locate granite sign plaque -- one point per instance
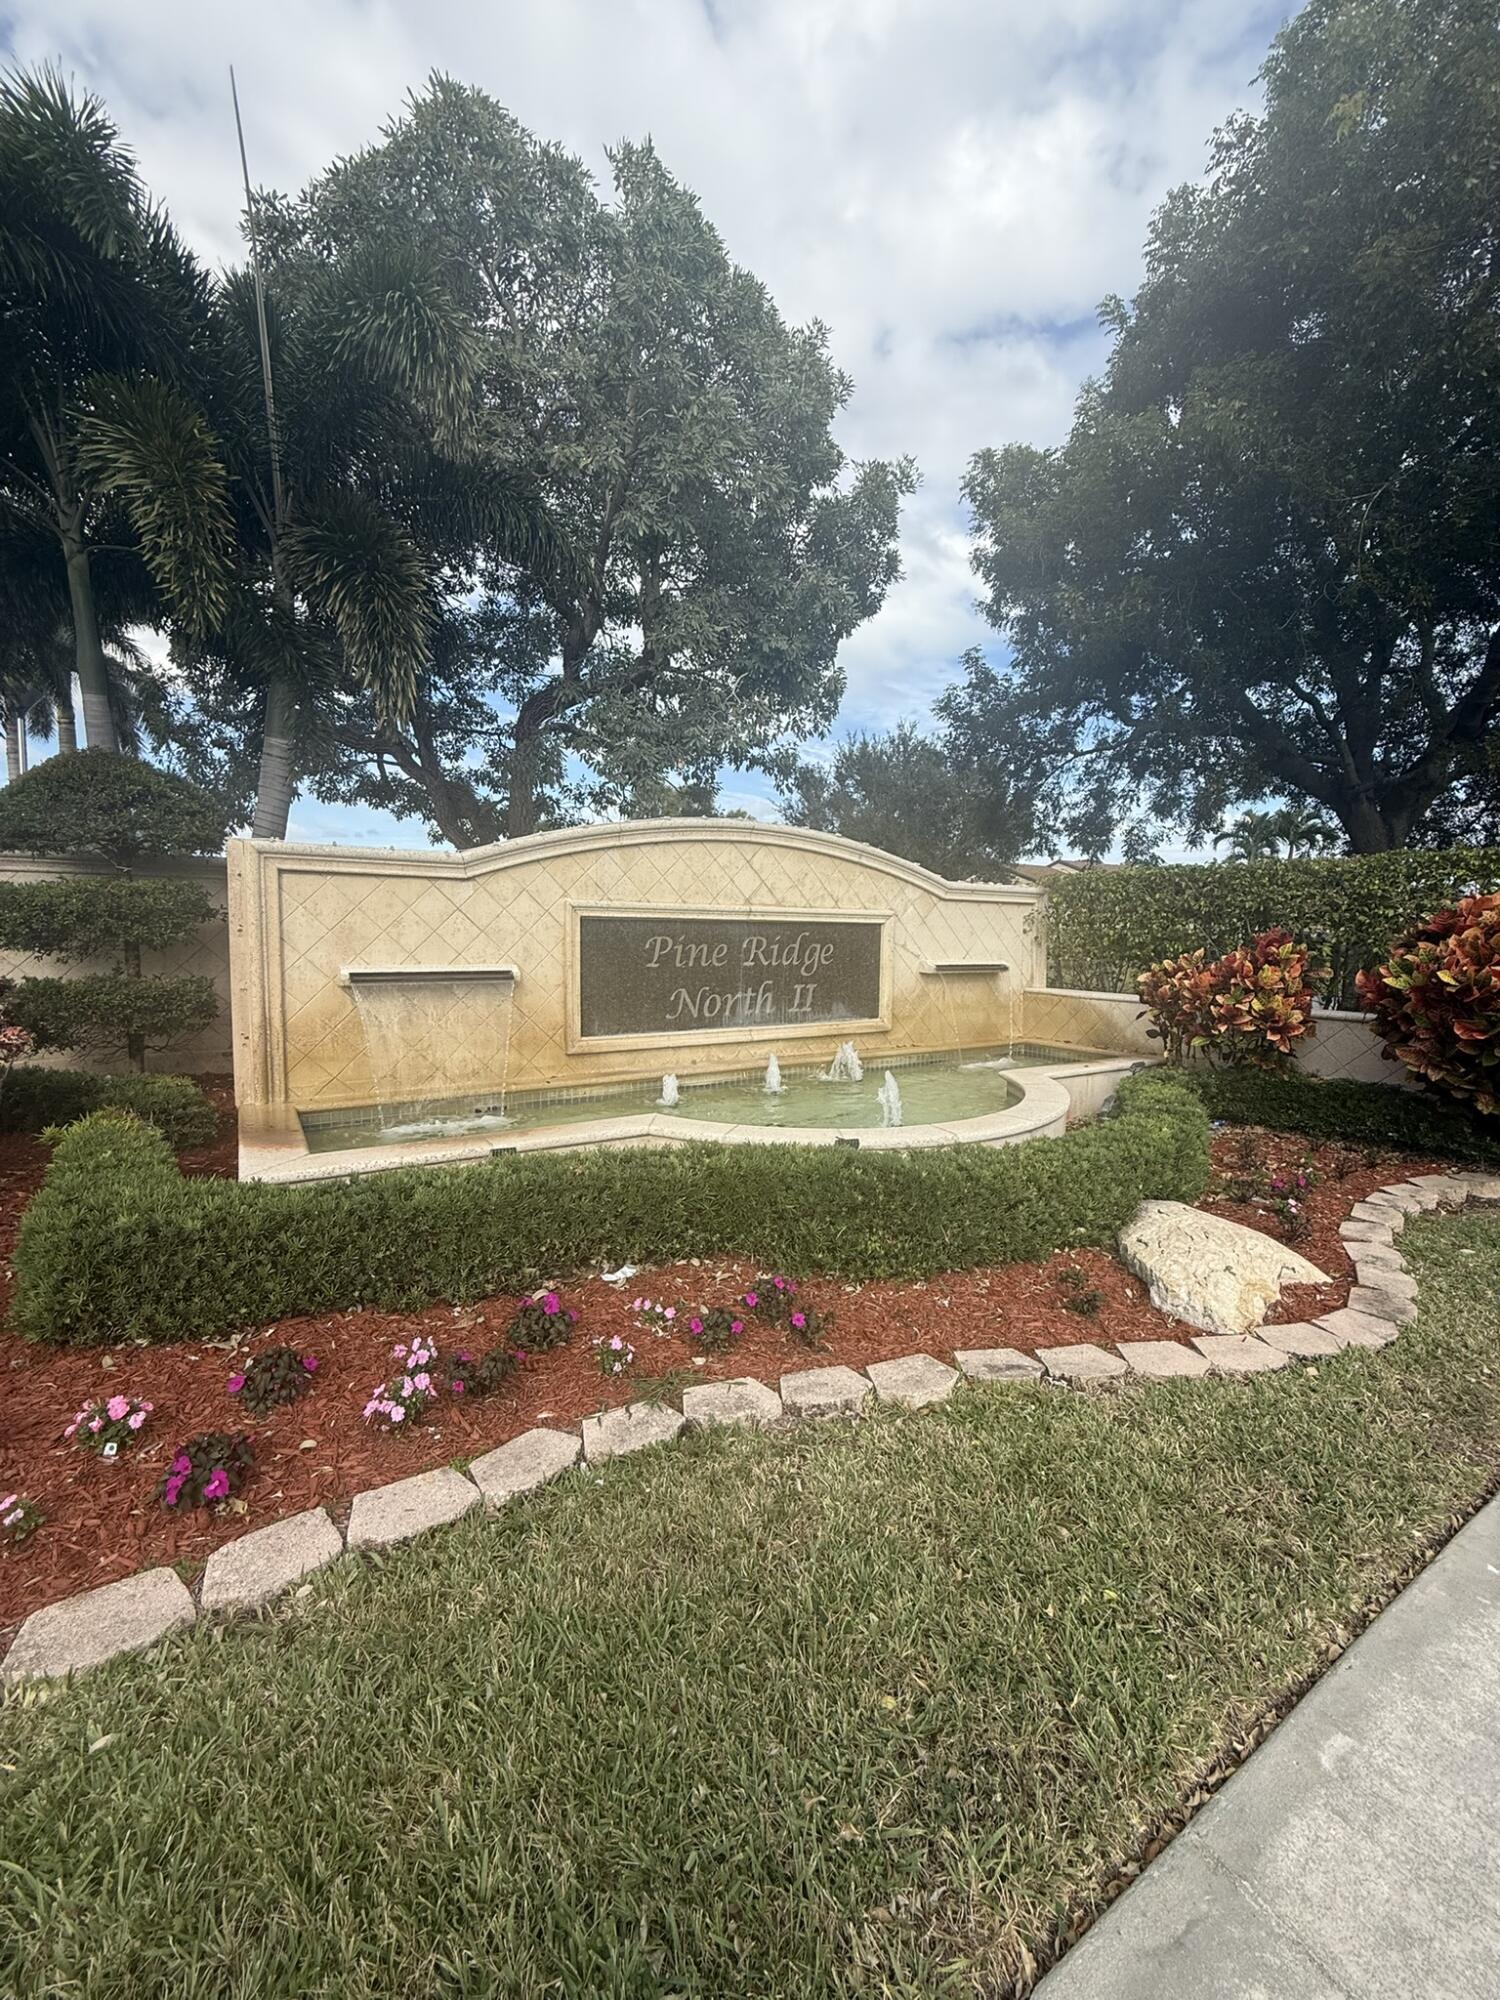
(668, 975)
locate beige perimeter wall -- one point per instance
(301, 916)
(206, 952)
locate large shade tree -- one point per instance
(712, 545)
(1265, 560)
(111, 486)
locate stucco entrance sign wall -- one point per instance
(828, 939)
(680, 975)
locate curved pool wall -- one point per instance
(1047, 1098)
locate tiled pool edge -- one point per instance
(136, 1612)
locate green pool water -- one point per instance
(932, 1093)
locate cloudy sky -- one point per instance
(952, 185)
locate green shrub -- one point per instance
(113, 1011)
(118, 1244)
(1106, 925)
(1367, 1114)
(89, 916)
(100, 802)
(35, 1099)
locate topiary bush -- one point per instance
(1436, 1001)
(122, 811)
(118, 1244)
(1253, 1005)
(36, 1099)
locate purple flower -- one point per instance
(550, 1302)
(182, 1463)
(736, 1326)
(752, 1299)
(172, 1488)
(217, 1484)
(310, 1363)
(235, 1384)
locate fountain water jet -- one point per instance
(668, 1098)
(889, 1096)
(774, 1085)
(846, 1066)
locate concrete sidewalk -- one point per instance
(1357, 1853)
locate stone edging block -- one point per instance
(914, 1381)
(245, 1573)
(526, 1462)
(1084, 1363)
(998, 1364)
(825, 1392)
(743, 1401)
(384, 1515)
(97, 1625)
(617, 1433)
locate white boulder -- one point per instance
(1214, 1274)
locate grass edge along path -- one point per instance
(873, 1709)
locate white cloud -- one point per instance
(952, 187)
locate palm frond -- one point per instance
(146, 445)
(387, 312)
(356, 567)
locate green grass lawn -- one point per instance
(867, 1710)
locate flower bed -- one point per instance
(104, 1522)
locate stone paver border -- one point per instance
(127, 1616)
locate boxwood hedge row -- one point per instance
(35, 1098)
(119, 1245)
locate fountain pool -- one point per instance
(934, 1090)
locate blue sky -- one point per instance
(950, 185)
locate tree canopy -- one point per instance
(707, 545)
(1264, 563)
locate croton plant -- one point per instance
(1253, 1005)
(1436, 1001)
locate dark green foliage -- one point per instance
(88, 916)
(113, 1011)
(35, 1099)
(278, 1376)
(1369, 1114)
(466, 1376)
(714, 1330)
(99, 802)
(542, 1323)
(206, 1470)
(1105, 926)
(117, 1243)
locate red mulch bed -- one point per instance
(102, 1521)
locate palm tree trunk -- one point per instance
(67, 723)
(93, 668)
(12, 746)
(274, 786)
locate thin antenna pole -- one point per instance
(260, 313)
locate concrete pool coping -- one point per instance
(1050, 1094)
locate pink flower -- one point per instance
(779, 1283)
(217, 1484)
(96, 1423)
(310, 1363)
(117, 1407)
(736, 1326)
(172, 1488)
(670, 1313)
(137, 1419)
(458, 1388)
(398, 1351)
(752, 1299)
(695, 1326)
(182, 1463)
(550, 1302)
(71, 1428)
(423, 1381)
(799, 1319)
(616, 1342)
(397, 1414)
(235, 1384)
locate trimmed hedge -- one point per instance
(34, 1099)
(1106, 925)
(1360, 1114)
(119, 1245)
(113, 1010)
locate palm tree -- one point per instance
(1303, 830)
(102, 445)
(1251, 837)
(356, 487)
